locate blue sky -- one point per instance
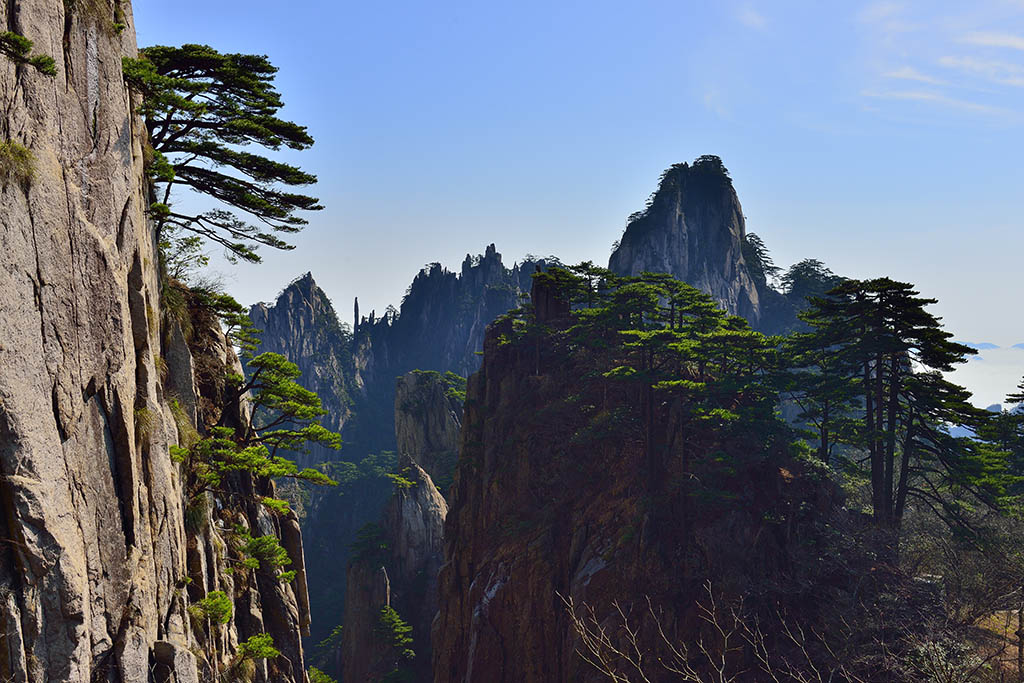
(883, 138)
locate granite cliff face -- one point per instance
(428, 419)
(439, 327)
(214, 524)
(397, 556)
(693, 229)
(96, 549)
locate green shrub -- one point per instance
(265, 552)
(396, 631)
(318, 676)
(197, 514)
(454, 386)
(396, 634)
(278, 505)
(16, 161)
(187, 434)
(370, 545)
(18, 48)
(259, 646)
(144, 421)
(216, 607)
(401, 483)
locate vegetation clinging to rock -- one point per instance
(19, 49)
(16, 161)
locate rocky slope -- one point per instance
(563, 494)
(96, 546)
(397, 567)
(428, 419)
(693, 229)
(439, 327)
(397, 554)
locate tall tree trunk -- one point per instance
(904, 482)
(890, 445)
(877, 436)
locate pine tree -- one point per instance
(202, 109)
(875, 338)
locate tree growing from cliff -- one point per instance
(202, 110)
(277, 415)
(18, 49)
(282, 416)
(396, 635)
(759, 261)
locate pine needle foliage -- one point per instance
(215, 607)
(18, 48)
(867, 376)
(259, 646)
(203, 109)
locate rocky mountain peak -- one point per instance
(303, 326)
(693, 229)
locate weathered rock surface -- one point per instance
(427, 423)
(440, 327)
(562, 494)
(404, 577)
(428, 418)
(693, 229)
(303, 327)
(95, 547)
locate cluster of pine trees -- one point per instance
(862, 389)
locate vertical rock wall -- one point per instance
(402, 576)
(93, 536)
(411, 530)
(302, 326)
(428, 418)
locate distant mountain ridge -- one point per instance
(692, 228)
(439, 326)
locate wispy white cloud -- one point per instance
(952, 56)
(751, 18)
(1001, 73)
(994, 39)
(936, 98)
(889, 18)
(909, 73)
(877, 12)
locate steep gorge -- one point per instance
(439, 328)
(693, 228)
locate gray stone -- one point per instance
(96, 547)
(693, 229)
